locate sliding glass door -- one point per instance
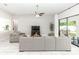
(63, 27)
(70, 27)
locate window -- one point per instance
(5, 24)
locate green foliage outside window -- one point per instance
(63, 23)
(70, 23)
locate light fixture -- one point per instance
(37, 14)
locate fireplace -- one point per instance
(35, 30)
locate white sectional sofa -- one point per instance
(48, 43)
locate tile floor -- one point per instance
(13, 49)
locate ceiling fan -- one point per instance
(37, 14)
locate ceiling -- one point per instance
(30, 8)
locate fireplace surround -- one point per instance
(35, 30)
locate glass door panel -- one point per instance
(63, 27)
(73, 29)
(72, 26)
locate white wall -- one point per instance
(25, 22)
(73, 11)
(4, 15)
